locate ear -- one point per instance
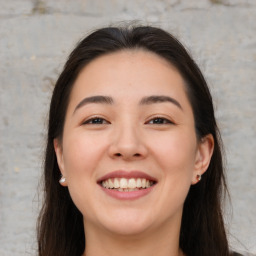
(59, 156)
(203, 157)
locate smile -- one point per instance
(126, 185)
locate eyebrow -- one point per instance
(94, 99)
(144, 101)
(159, 99)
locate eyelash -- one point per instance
(163, 119)
(90, 121)
(100, 120)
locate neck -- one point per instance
(161, 242)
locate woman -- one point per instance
(133, 162)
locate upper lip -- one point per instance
(127, 175)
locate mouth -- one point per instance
(127, 185)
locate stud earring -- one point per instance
(198, 177)
(62, 180)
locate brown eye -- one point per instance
(96, 120)
(160, 120)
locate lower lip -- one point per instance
(131, 195)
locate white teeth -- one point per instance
(111, 184)
(123, 184)
(132, 183)
(138, 183)
(116, 183)
(143, 183)
(126, 189)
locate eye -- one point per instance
(160, 120)
(96, 120)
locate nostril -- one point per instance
(135, 155)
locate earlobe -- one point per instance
(59, 156)
(63, 181)
(203, 157)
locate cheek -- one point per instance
(174, 155)
(176, 152)
(81, 154)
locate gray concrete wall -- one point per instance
(35, 38)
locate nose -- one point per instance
(127, 144)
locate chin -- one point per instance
(127, 224)
(127, 230)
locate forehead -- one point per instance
(128, 76)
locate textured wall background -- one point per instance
(35, 38)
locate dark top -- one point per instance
(245, 254)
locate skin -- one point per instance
(127, 137)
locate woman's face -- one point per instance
(129, 150)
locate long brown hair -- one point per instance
(60, 224)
